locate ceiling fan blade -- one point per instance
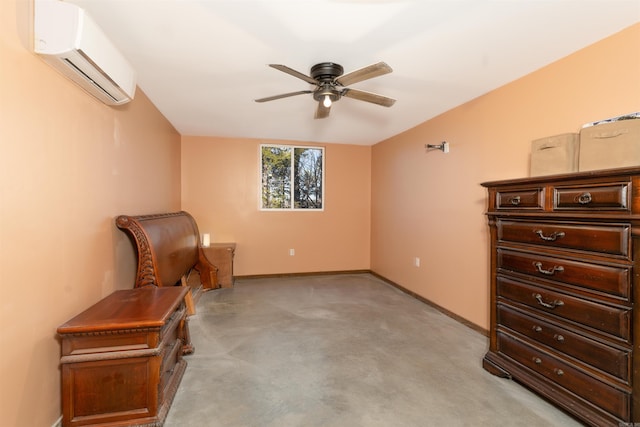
(294, 73)
(284, 95)
(368, 97)
(365, 73)
(322, 111)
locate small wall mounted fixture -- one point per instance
(443, 146)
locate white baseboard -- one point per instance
(58, 422)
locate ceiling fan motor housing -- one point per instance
(325, 73)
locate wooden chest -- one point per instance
(564, 290)
(122, 358)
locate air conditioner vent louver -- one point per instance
(93, 81)
(68, 39)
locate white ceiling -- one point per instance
(202, 63)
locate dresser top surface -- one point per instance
(146, 307)
(595, 174)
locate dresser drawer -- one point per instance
(613, 196)
(170, 329)
(75, 344)
(609, 359)
(603, 278)
(611, 320)
(607, 397)
(170, 358)
(528, 198)
(609, 239)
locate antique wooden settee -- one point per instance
(170, 253)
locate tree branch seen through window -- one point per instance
(292, 177)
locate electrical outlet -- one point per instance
(416, 262)
(292, 252)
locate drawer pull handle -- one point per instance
(551, 272)
(551, 238)
(558, 372)
(537, 328)
(559, 338)
(552, 304)
(536, 360)
(584, 198)
(515, 201)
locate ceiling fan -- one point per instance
(331, 84)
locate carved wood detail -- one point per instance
(146, 272)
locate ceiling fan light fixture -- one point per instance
(327, 94)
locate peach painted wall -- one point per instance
(68, 165)
(431, 205)
(220, 188)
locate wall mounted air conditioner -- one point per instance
(69, 40)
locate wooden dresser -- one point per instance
(122, 358)
(565, 281)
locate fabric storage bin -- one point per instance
(610, 145)
(554, 154)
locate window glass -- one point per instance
(292, 177)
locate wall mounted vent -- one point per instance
(69, 40)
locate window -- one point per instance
(292, 177)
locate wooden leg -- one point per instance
(187, 345)
(188, 299)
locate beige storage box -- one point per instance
(610, 145)
(554, 154)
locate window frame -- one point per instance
(291, 178)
